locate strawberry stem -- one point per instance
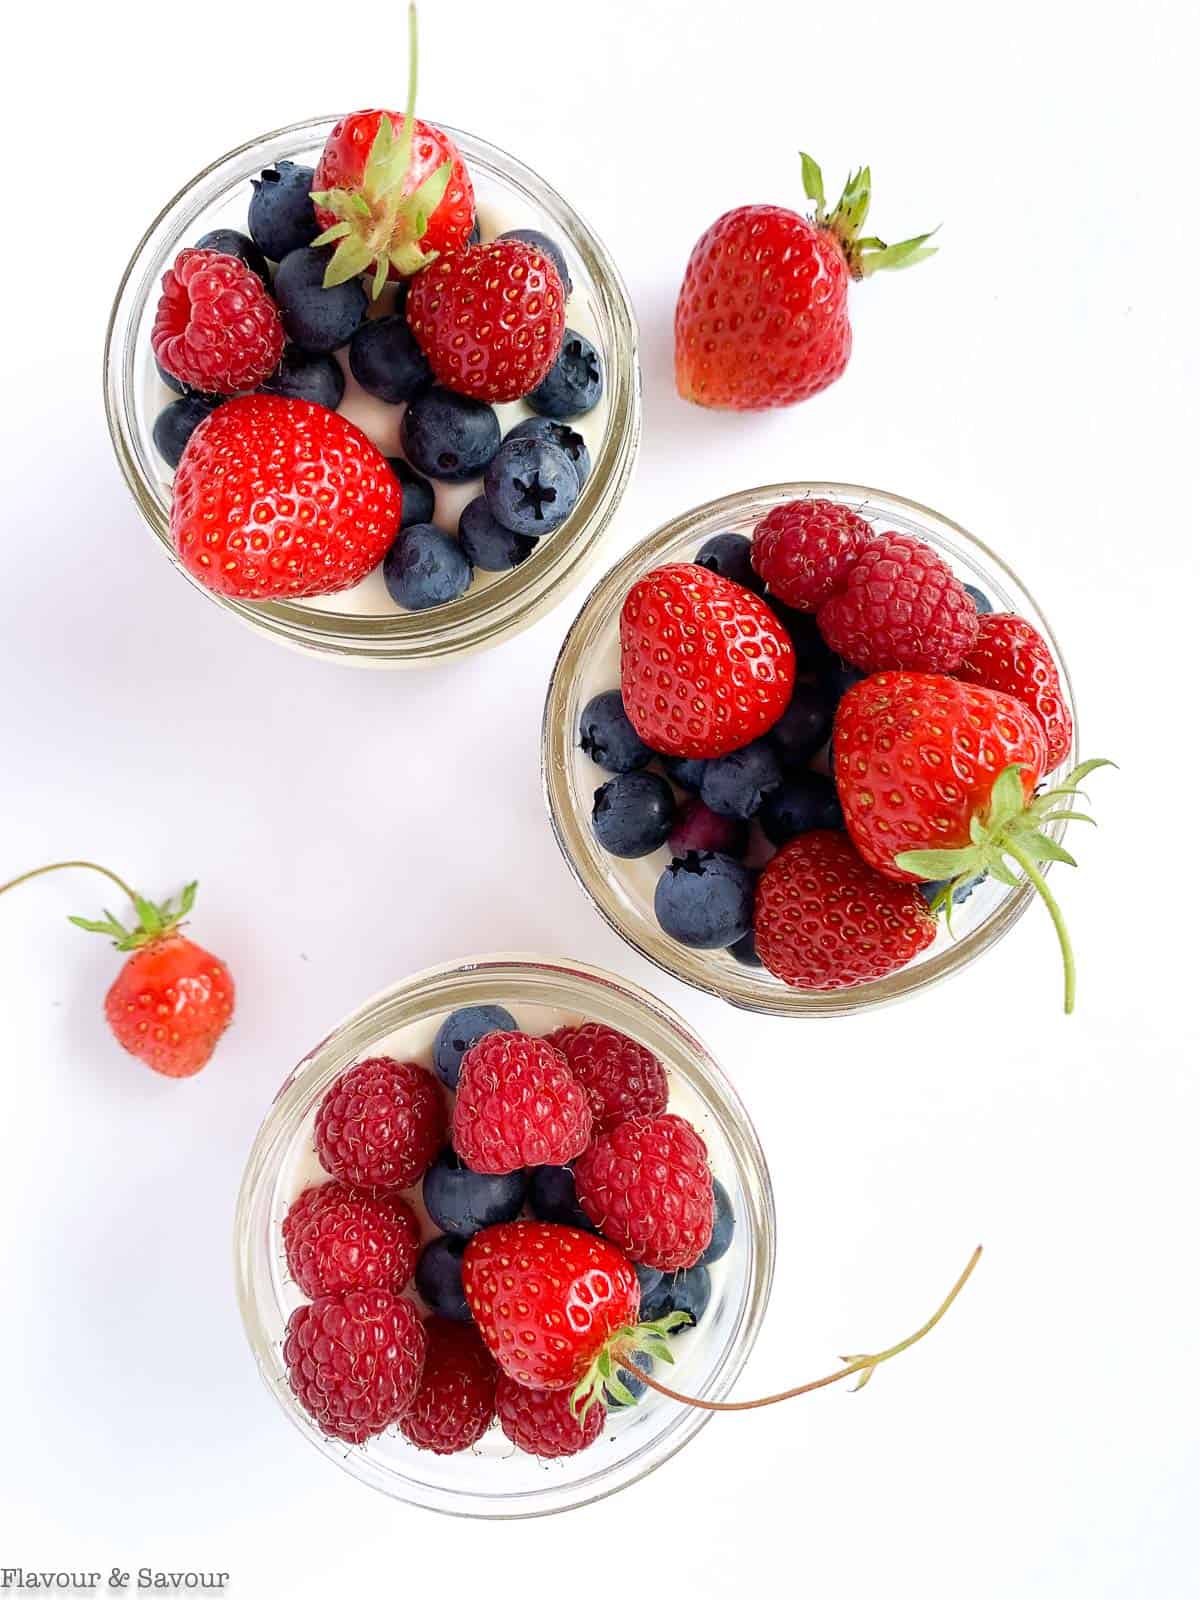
(1031, 870)
(59, 866)
(154, 921)
(851, 1364)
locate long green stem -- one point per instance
(1031, 870)
(59, 866)
(863, 1364)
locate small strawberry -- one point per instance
(543, 1423)
(706, 667)
(761, 318)
(391, 191)
(938, 780)
(1009, 654)
(619, 1076)
(647, 1187)
(823, 919)
(171, 1001)
(900, 607)
(456, 1401)
(380, 1124)
(276, 497)
(518, 1106)
(803, 551)
(490, 319)
(354, 1360)
(339, 1238)
(216, 328)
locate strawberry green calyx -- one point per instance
(1012, 831)
(381, 225)
(154, 921)
(845, 221)
(618, 1350)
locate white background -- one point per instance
(1035, 381)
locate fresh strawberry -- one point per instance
(619, 1076)
(902, 607)
(338, 1238)
(647, 1187)
(354, 1360)
(938, 779)
(392, 191)
(761, 318)
(381, 1124)
(518, 1106)
(216, 328)
(706, 667)
(803, 550)
(823, 919)
(542, 1422)
(456, 1401)
(277, 497)
(490, 319)
(1009, 654)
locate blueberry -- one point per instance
(804, 727)
(705, 900)
(439, 1278)
(641, 1359)
(698, 828)
(552, 1198)
(462, 1029)
(982, 604)
(281, 217)
(688, 1291)
(418, 499)
(807, 800)
(632, 814)
(531, 486)
(607, 735)
(837, 676)
(572, 444)
(229, 242)
(387, 361)
(574, 383)
(812, 653)
(176, 423)
(746, 951)
(305, 375)
(648, 1278)
(314, 317)
(722, 1234)
(490, 546)
(425, 567)
(737, 784)
(539, 241)
(729, 554)
(461, 1202)
(961, 895)
(449, 436)
(687, 772)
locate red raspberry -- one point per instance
(803, 550)
(539, 1421)
(619, 1076)
(518, 1106)
(647, 1187)
(381, 1124)
(902, 607)
(340, 1238)
(457, 1399)
(216, 327)
(824, 919)
(1011, 655)
(354, 1360)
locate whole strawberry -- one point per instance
(825, 920)
(391, 191)
(380, 1124)
(620, 1077)
(456, 1400)
(902, 607)
(1009, 654)
(518, 1106)
(354, 1360)
(216, 328)
(804, 550)
(647, 1187)
(490, 319)
(706, 667)
(543, 1423)
(761, 319)
(277, 497)
(338, 1238)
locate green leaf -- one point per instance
(188, 898)
(616, 1388)
(1003, 873)
(1007, 799)
(379, 281)
(935, 864)
(428, 197)
(853, 206)
(350, 258)
(891, 257)
(1042, 848)
(113, 929)
(814, 183)
(339, 230)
